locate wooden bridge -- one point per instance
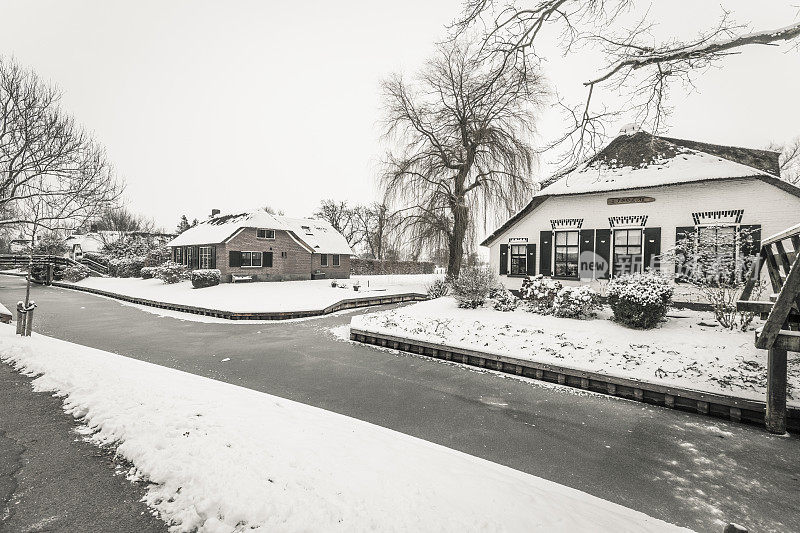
(9, 261)
(781, 331)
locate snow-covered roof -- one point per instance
(642, 160)
(317, 235)
(92, 242)
(637, 160)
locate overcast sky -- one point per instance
(234, 105)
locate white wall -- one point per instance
(764, 204)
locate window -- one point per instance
(627, 251)
(187, 257)
(518, 259)
(335, 260)
(265, 233)
(323, 260)
(284, 255)
(179, 255)
(716, 249)
(566, 263)
(251, 259)
(307, 230)
(205, 257)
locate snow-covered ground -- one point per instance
(224, 458)
(262, 296)
(681, 352)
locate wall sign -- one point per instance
(631, 200)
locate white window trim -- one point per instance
(200, 256)
(553, 258)
(251, 258)
(613, 253)
(265, 238)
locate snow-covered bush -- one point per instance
(205, 277)
(171, 272)
(640, 300)
(575, 302)
(97, 257)
(437, 289)
(334, 283)
(472, 286)
(75, 273)
(540, 293)
(149, 272)
(126, 267)
(158, 256)
(503, 300)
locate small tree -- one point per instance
(717, 260)
(183, 225)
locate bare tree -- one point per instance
(636, 64)
(115, 222)
(460, 132)
(789, 160)
(53, 176)
(378, 227)
(342, 217)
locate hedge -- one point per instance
(366, 267)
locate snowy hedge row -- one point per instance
(206, 277)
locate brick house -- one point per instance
(635, 200)
(264, 247)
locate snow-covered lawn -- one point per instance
(224, 458)
(681, 352)
(262, 297)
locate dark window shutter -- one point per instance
(586, 244)
(602, 250)
(751, 243)
(503, 259)
(213, 257)
(530, 263)
(234, 259)
(267, 259)
(545, 252)
(175, 255)
(684, 244)
(196, 257)
(652, 248)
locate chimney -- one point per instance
(215, 212)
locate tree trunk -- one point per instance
(456, 238)
(30, 267)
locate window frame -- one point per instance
(567, 247)
(323, 260)
(204, 252)
(636, 266)
(266, 233)
(335, 260)
(251, 265)
(517, 260)
(179, 255)
(187, 256)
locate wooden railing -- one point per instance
(781, 331)
(22, 261)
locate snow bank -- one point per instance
(681, 352)
(225, 458)
(262, 297)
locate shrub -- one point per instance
(639, 300)
(205, 277)
(126, 267)
(149, 272)
(575, 302)
(503, 300)
(472, 286)
(96, 257)
(158, 256)
(171, 272)
(540, 292)
(75, 273)
(437, 289)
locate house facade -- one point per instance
(637, 199)
(264, 247)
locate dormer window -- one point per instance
(307, 229)
(265, 234)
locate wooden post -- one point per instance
(775, 419)
(29, 322)
(20, 318)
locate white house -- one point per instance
(632, 202)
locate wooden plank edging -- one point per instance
(351, 303)
(708, 403)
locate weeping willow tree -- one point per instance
(459, 134)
